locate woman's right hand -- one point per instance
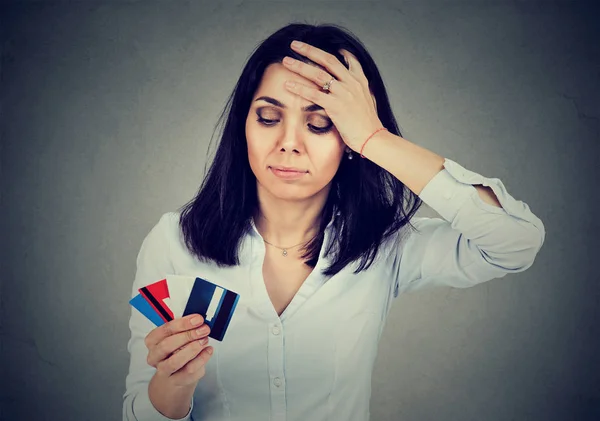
(179, 350)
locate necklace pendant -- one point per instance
(284, 252)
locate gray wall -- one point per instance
(107, 111)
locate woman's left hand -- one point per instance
(348, 103)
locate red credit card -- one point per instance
(155, 295)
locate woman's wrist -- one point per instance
(367, 137)
(171, 401)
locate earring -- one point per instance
(349, 155)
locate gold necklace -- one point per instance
(285, 249)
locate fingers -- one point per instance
(173, 343)
(329, 61)
(196, 367)
(182, 357)
(311, 94)
(174, 326)
(310, 72)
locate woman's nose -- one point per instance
(291, 139)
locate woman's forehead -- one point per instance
(273, 79)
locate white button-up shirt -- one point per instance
(314, 362)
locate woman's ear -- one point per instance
(344, 57)
(374, 100)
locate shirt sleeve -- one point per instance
(153, 264)
(473, 243)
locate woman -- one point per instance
(307, 213)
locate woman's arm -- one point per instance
(412, 164)
(485, 233)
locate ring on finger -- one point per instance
(327, 85)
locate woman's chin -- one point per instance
(291, 193)
(291, 196)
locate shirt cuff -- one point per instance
(145, 411)
(449, 189)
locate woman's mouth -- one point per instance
(288, 173)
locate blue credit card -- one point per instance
(216, 304)
(140, 303)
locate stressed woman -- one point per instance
(308, 213)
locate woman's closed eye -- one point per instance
(315, 129)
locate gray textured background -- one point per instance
(107, 111)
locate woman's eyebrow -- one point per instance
(308, 108)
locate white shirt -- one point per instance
(314, 362)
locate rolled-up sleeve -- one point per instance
(473, 243)
(153, 264)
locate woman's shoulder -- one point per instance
(167, 236)
(170, 218)
(168, 223)
(165, 232)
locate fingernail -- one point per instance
(203, 341)
(297, 44)
(209, 350)
(196, 320)
(288, 60)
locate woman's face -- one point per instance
(291, 137)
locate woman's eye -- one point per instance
(266, 122)
(318, 129)
(315, 129)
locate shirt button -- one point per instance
(277, 381)
(275, 330)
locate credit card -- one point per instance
(180, 287)
(156, 294)
(146, 309)
(216, 304)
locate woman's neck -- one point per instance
(287, 223)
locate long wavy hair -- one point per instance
(367, 203)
